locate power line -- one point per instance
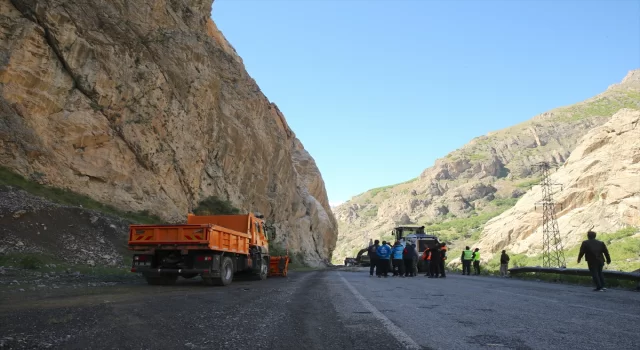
(553, 250)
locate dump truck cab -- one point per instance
(408, 233)
(213, 246)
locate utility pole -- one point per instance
(553, 250)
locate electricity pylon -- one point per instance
(553, 250)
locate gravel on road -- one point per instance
(330, 309)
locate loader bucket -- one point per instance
(278, 266)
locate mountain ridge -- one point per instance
(145, 106)
(481, 179)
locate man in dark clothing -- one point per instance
(595, 252)
(426, 256)
(435, 261)
(504, 264)
(373, 257)
(409, 256)
(443, 258)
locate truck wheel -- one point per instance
(264, 269)
(161, 280)
(226, 274)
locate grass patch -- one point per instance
(528, 183)
(44, 262)
(371, 212)
(30, 263)
(505, 202)
(469, 227)
(605, 106)
(215, 206)
(374, 192)
(623, 248)
(477, 156)
(67, 197)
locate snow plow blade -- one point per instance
(279, 265)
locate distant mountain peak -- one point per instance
(631, 80)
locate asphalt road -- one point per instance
(334, 309)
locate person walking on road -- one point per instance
(595, 252)
(443, 258)
(398, 263)
(373, 258)
(504, 264)
(384, 253)
(476, 262)
(467, 257)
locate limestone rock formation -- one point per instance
(481, 179)
(146, 106)
(600, 191)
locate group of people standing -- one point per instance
(435, 259)
(469, 257)
(401, 260)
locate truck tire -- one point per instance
(161, 280)
(264, 269)
(226, 274)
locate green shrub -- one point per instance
(276, 249)
(371, 212)
(374, 192)
(528, 183)
(505, 202)
(215, 206)
(30, 262)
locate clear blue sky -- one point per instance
(378, 90)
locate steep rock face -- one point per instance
(600, 190)
(482, 178)
(146, 106)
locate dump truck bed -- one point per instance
(188, 236)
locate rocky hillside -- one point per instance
(600, 189)
(462, 191)
(144, 105)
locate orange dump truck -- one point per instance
(215, 247)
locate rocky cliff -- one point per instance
(462, 191)
(145, 105)
(598, 188)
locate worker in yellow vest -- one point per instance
(476, 262)
(467, 258)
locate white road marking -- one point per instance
(397, 333)
(572, 305)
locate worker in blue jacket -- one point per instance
(384, 253)
(398, 263)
